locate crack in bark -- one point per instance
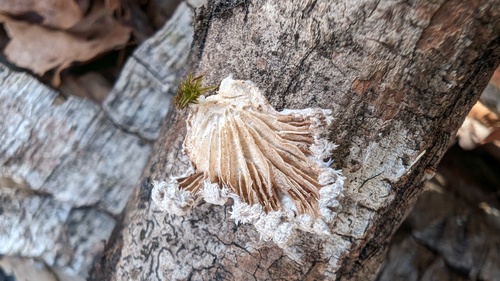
(369, 179)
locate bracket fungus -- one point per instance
(272, 164)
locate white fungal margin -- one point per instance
(214, 194)
(170, 198)
(243, 212)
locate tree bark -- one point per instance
(399, 76)
(68, 166)
(64, 177)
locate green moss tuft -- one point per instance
(190, 90)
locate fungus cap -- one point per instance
(271, 163)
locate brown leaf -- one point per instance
(495, 79)
(112, 4)
(91, 85)
(493, 136)
(480, 126)
(41, 49)
(97, 19)
(484, 115)
(61, 14)
(471, 134)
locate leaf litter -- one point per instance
(61, 34)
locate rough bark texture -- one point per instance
(141, 97)
(64, 176)
(452, 232)
(399, 77)
(68, 167)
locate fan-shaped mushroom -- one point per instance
(271, 163)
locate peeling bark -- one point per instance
(399, 77)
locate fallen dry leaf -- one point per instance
(484, 115)
(480, 126)
(61, 14)
(96, 21)
(41, 49)
(495, 79)
(493, 136)
(471, 134)
(91, 85)
(112, 4)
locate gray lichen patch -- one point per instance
(272, 164)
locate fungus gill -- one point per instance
(270, 163)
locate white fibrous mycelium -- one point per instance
(272, 164)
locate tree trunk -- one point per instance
(399, 78)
